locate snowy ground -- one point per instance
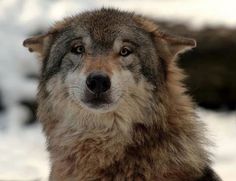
(22, 150)
(222, 131)
(23, 155)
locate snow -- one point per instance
(22, 149)
(23, 155)
(222, 131)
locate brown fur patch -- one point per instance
(106, 64)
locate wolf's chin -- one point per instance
(99, 107)
(102, 108)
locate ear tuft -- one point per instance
(35, 44)
(40, 43)
(177, 44)
(168, 46)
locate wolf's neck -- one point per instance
(84, 142)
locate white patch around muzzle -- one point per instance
(120, 81)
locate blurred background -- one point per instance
(211, 69)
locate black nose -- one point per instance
(98, 82)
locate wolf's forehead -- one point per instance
(106, 26)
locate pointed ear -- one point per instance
(168, 46)
(172, 45)
(40, 43)
(37, 43)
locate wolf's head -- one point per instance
(102, 59)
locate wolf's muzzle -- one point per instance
(98, 83)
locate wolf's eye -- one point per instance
(125, 51)
(78, 49)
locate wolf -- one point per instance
(112, 103)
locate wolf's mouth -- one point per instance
(97, 101)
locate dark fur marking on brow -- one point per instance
(130, 42)
(52, 66)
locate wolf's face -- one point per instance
(103, 58)
(102, 63)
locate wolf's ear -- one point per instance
(168, 46)
(38, 43)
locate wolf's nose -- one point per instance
(98, 82)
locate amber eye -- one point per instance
(78, 49)
(125, 51)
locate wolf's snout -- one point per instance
(98, 82)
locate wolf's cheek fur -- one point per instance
(76, 84)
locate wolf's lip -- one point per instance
(98, 101)
(95, 101)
